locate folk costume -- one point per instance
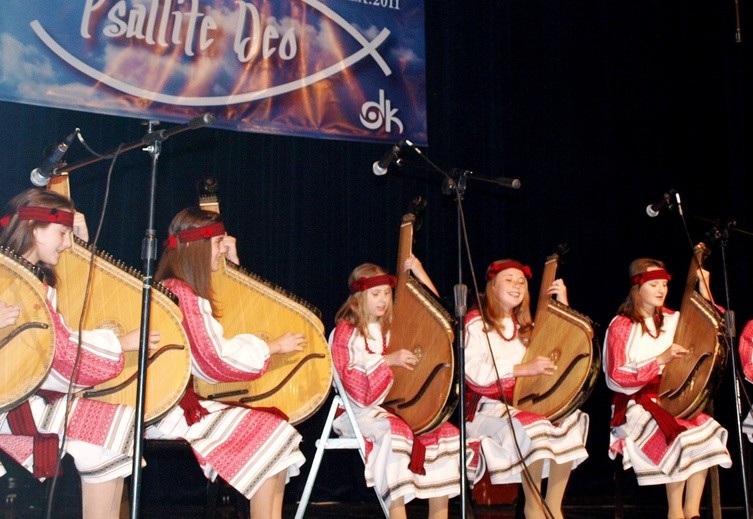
(658, 447)
(746, 361)
(397, 463)
(487, 417)
(244, 446)
(99, 435)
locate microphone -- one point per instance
(653, 210)
(677, 200)
(200, 121)
(380, 167)
(512, 183)
(40, 176)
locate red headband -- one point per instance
(195, 233)
(41, 214)
(365, 283)
(649, 275)
(496, 268)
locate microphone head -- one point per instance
(201, 121)
(515, 184)
(378, 170)
(38, 178)
(651, 211)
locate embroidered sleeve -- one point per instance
(621, 371)
(99, 360)
(366, 377)
(215, 358)
(746, 350)
(480, 372)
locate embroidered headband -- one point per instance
(194, 234)
(365, 283)
(649, 275)
(41, 214)
(496, 268)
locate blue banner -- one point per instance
(334, 69)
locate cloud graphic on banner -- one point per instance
(22, 64)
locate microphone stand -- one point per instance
(460, 291)
(449, 186)
(722, 236)
(455, 183)
(152, 144)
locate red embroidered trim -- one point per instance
(365, 283)
(41, 214)
(417, 458)
(496, 268)
(194, 234)
(649, 275)
(384, 345)
(658, 330)
(45, 449)
(514, 330)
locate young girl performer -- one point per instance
(99, 436)
(746, 361)
(401, 467)
(496, 339)
(256, 451)
(660, 448)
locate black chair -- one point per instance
(24, 496)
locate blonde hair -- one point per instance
(354, 310)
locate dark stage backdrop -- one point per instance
(597, 107)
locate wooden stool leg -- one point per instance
(713, 493)
(213, 491)
(520, 504)
(619, 496)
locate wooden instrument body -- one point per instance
(426, 396)
(115, 303)
(689, 382)
(27, 348)
(567, 338)
(296, 383)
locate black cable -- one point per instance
(451, 185)
(76, 362)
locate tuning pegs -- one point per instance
(418, 204)
(207, 186)
(562, 250)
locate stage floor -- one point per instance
(329, 511)
(589, 497)
(651, 509)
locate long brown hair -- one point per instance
(191, 261)
(630, 308)
(494, 314)
(18, 235)
(354, 309)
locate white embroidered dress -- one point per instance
(537, 437)
(99, 434)
(746, 361)
(367, 380)
(244, 446)
(630, 364)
